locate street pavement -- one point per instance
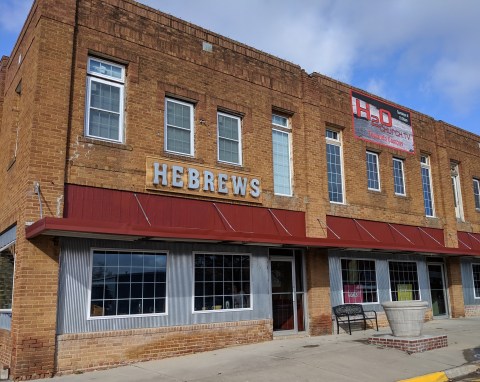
(332, 358)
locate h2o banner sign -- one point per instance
(381, 123)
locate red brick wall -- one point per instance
(92, 351)
(5, 347)
(472, 310)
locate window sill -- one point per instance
(131, 316)
(99, 142)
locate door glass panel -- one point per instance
(298, 271)
(282, 296)
(437, 289)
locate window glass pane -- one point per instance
(372, 171)
(334, 173)
(6, 279)
(476, 279)
(476, 193)
(123, 283)
(281, 162)
(105, 69)
(404, 281)
(359, 281)
(179, 127)
(278, 120)
(398, 182)
(228, 139)
(427, 191)
(222, 282)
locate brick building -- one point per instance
(166, 190)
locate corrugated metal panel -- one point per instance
(382, 273)
(75, 280)
(467, 282)
(8, 237)
(5, 320)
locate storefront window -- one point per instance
(359, 281)
(404, 281)
(476, 279)
(6, 280)
(222, 282)
(128, 283)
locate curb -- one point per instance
(444, 376)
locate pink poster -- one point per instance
(352, 294)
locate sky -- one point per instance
(423, 55)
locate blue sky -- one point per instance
(421, 54)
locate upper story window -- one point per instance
(398, 177)
(404, 280)
(282, 156)
(359, 281)
(476, 193)
(229, 139)
(457, 192)
(373, 175)
(179, 134)
(427, 186)
(105, 97)
(126, 283)
(334, 166)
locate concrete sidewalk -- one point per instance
(333, 358)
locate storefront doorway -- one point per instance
(438, 292)
(288, 293)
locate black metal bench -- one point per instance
(353, 313)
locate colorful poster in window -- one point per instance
(352, 294)
(381, 123)
(404, 292)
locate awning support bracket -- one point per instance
(396, 230)
(465, 244)
(279, 222)
(366, 230)
(143, 211)
(325, 226)
(473, 237)
(431, 237)
(222, 216)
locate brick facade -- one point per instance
(42, 122)
(93, 351)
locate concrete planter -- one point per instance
(406, 318)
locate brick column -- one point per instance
(318, 285)
(455, 287)
(34, 309)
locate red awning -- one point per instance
(469, 242)
(101, 213)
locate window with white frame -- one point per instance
(179, 133)
(398, 177)
(7, 266)
(373, 175)
(427, 185)
(334, 166)
(229, 138)
(126, 283)
(104, 104)
(282, 161)
(359, 281)
(457, 191)
(222, 282)
(404, 280)
(476, 279)
(476, 193)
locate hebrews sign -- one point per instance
(382, 123)
(170, 176)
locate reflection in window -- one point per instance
(6, 279)
(476, 279)
(404, 280)
(222, 282)
(128, 283)
(359, 281)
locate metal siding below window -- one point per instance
(8, 237)
(75, 281)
